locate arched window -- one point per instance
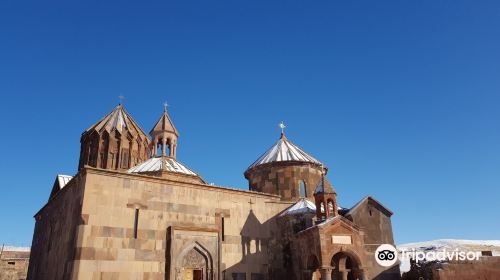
(331, 209)
(302, 189)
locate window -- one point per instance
(330, 207)
(136, 222)
(222, 228)
(11, 263)
(302, 188)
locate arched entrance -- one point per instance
(195, 264)
(345, 267)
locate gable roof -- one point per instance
(372, 200)
(59, 183)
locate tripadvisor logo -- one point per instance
(386, 255)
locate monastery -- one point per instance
(135, 211)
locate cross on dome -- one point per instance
(120, 98)
(282, 126)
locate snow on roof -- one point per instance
(451, 243)
(303, 206)
(63, 180)
(15, 249)
(118, 120)
(161, 164)
(284, 150)
(300, 207)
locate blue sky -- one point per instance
(400, 99)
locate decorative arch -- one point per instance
(194, 256)
(346, 265)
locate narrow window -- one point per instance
(136, 222)
(330, 207)
(302, 188)
(11, 263)
(222, 228)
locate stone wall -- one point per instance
(487, 268)
(54, 238)
(282, 178)
(375, 221)
(108, 246)
(13, 265)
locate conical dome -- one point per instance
(164, 124)
(114, 142)
(284, 150)
(118, 120)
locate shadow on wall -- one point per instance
(260, 251)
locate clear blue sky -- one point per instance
(400, 99)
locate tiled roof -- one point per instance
(161, 164)
(300, 207)
(284, 150)
(164, 124)
(118, 120)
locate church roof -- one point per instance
(323, 186)
(300, 207)
(118, 120)
(164, 124)
(303, 206)
(62, 180)
(284, 150)
(162, 164)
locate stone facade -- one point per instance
(13, 263)
(486, 268)
(160, 220)
(283, 179)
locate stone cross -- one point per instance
(165, 105)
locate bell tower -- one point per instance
(325, 199)
(164, 136)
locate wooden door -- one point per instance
(197, 274)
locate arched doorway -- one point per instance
(345, 267)
(195, 264)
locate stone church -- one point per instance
(134, 211)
